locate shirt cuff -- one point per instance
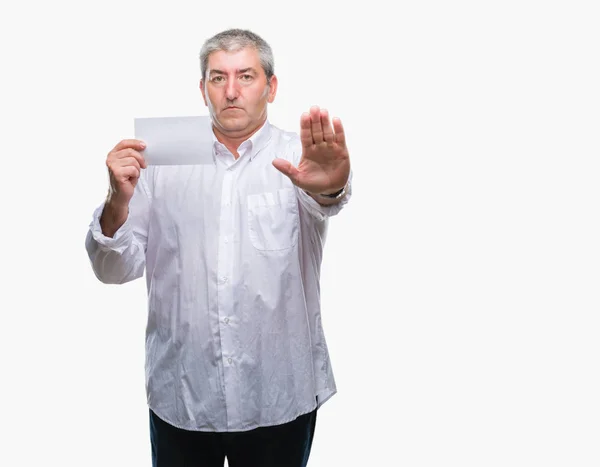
(119, 242)
(319, 211)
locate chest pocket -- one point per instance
(273, 220)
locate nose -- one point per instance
(232, 91)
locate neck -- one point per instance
(232, 141)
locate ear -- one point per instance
(203, 91)
(272, 89)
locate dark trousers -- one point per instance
(286, 445)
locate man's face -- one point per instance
(236, 91)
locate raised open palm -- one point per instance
(325, 163)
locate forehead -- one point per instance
(232, 61)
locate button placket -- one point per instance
(225, 294)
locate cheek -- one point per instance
(212, 95)
(259, 97)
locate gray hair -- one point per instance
(233, 40)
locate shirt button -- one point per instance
(226, 320)
(229, 360)
(226, 240)
(224, 279)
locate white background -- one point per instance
(460, 286)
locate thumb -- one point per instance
(286, 168)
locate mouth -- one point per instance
(232, 108)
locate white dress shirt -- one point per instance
(232, 252)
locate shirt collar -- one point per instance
(252, 146)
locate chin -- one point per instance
(233, 124)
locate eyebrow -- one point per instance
(243, 70)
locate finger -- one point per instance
(287, 168)
(327, 130)
(129, 161)
(317, 129)
(128, 173)
(340, 137)
(305, 132)
(120, 169)
(130, 143)
(124, 153)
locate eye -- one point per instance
(246, 77)
(217, 79)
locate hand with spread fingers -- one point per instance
(325, 164)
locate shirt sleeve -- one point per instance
(121, 258)
(311, 205)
